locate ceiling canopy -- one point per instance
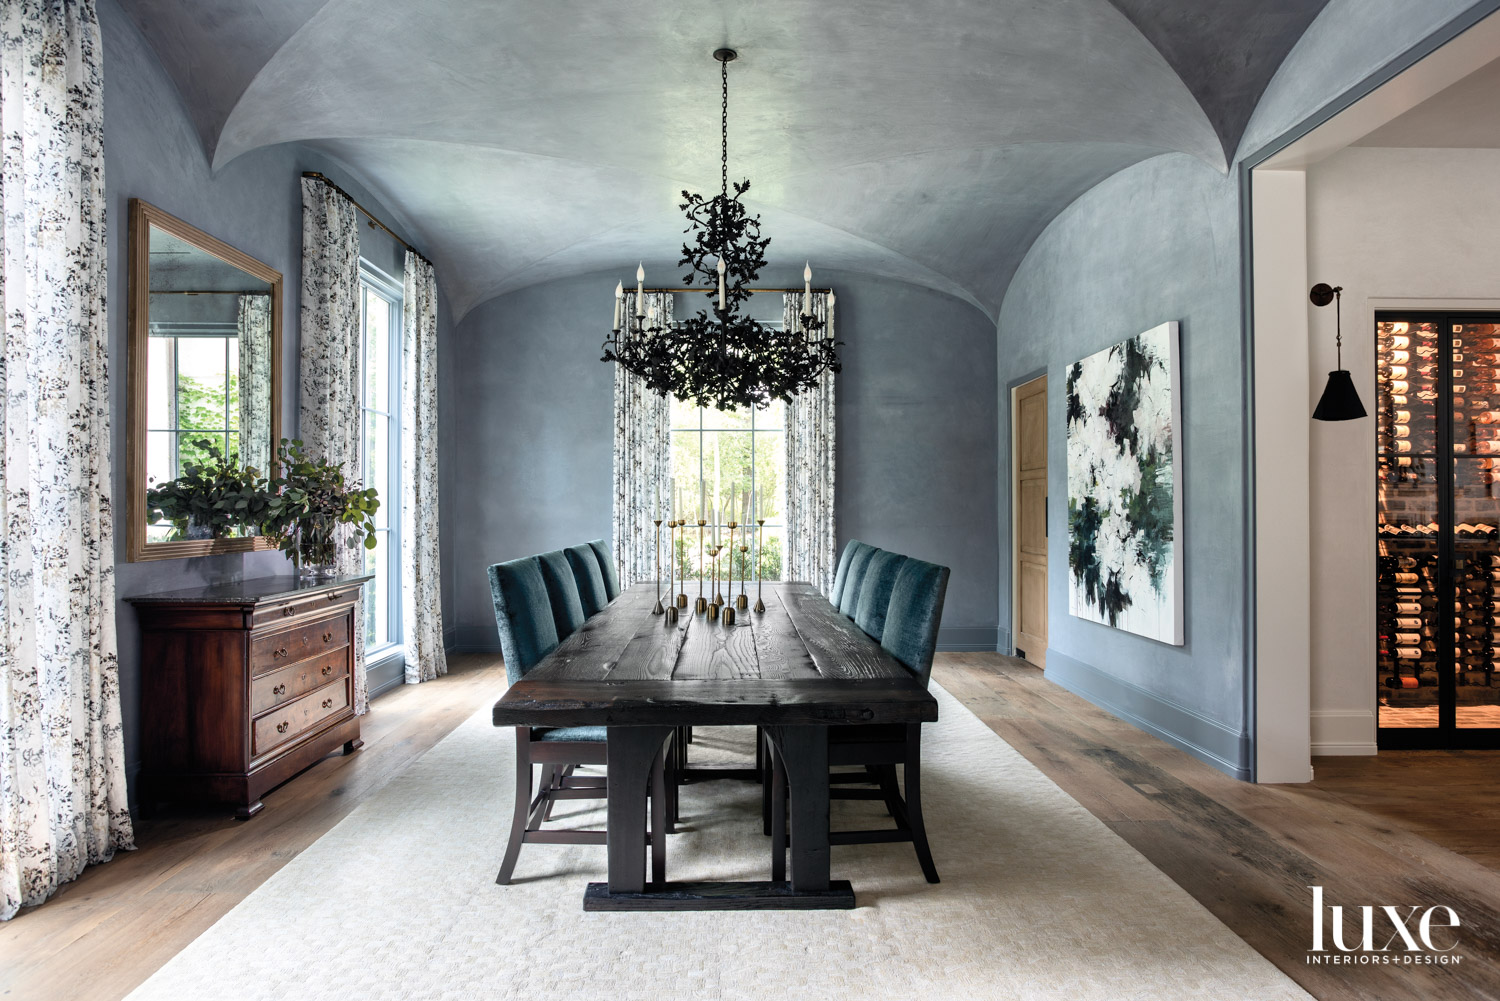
(929, 142)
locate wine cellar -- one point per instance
(1438, 530)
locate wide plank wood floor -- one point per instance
(1404, 827)
(100, 936)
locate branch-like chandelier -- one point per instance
(722, 360)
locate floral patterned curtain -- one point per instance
(643, 460)
(62, 774)
(810, 439)
(255, 381)
(421, 595)
(330, 358)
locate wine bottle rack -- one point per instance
(1437, 425)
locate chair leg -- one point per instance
(659, 817)
(553, 777)
(778, 815)
(885, 776)
(523, 805)
(914, 800)
(768, 768)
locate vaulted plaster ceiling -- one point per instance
(925, 141)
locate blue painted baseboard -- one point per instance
(1208, 740)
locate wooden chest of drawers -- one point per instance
(244, 685)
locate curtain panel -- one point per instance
(330, 388)
(62, 774)
(811, 531)
(421, 589)
(256, 447)
(642, 460)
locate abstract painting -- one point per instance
(1124, 486)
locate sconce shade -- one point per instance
(1340, 400)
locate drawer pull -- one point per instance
(277, 654)
(279, 690)
(281, 727)
(327, 636)
(327, 670)
(327, 703)
(333, 596)
(288, 610)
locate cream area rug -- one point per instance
(1038, 900)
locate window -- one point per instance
(192, 394)
(713, 450)
(380, 458)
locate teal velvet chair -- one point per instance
(842, 573)
(607, 568)
(912, 592)
(562, 593)
(527, 594)
(589, 577)
(849, 597)
(875, 589)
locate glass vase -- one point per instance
(318, 548)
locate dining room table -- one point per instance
(794, 669)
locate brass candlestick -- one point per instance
(713, 606)
(760, 606)
(658, 610)
(743, 600)
(671, 608)
(682, 598)
(728, 613)
(702, 602)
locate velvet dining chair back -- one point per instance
(562, 593)
(849, 599)
(606, 568)
(914, 614)
(523, 615)
(842, 573)
(589, 577)
(875, 591)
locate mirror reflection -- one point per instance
(209, 376)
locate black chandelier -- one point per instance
(721, 359)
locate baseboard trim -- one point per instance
(1186, 729)
(961, 639)
(475, 639)
(384, 674)
(1345, 732)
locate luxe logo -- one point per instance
(1388, 934)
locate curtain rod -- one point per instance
(709, 290)
(368, 214)
(207, 291)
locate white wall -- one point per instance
(1395, 228)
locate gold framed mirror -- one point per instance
(204, 380)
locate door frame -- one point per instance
(1011, 491)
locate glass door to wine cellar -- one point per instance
(1437, 426)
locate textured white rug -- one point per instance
(1038, 900)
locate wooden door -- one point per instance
(1030, 514)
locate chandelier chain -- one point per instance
(724, 132)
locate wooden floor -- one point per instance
(1369, 830)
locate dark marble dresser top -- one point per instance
(245, 592)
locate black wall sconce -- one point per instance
(1340, 401)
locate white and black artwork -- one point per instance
(1124, 486)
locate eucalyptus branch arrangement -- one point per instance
(212, 498)
(309, 501)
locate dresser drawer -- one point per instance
(281, 725)
(270, 690)
(273, 651)
(271, 612)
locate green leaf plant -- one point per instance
(308, 501)
(213, 495)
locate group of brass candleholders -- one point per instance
(715, 608)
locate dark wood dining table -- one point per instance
(795, 669)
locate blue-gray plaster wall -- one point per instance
(1156, 242)
(152, 152)
(916, 434)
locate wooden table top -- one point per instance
(799, 662)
